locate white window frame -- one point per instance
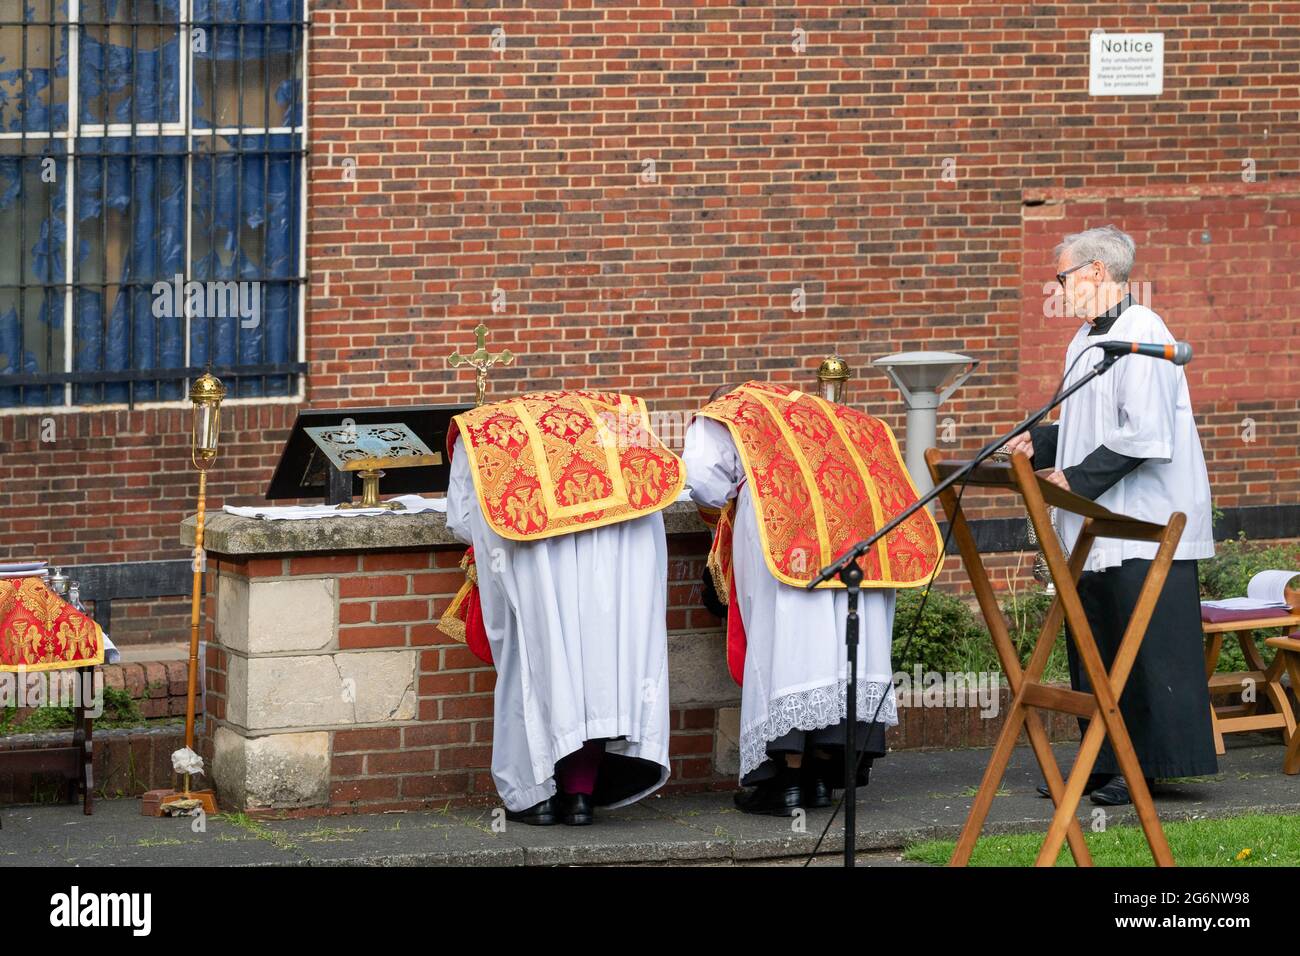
(181, 127)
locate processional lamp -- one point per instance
(206, 396)
(831, 376)
(927, 380)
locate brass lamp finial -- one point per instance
(207, 394)
(831, 376)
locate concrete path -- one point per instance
(913, 796)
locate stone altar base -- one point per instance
(329, 687)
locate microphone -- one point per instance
(1180, 353)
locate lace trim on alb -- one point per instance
(812, 710)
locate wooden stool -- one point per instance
(1237, 718)
(1288, 657)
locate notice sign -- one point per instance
(1126, 64)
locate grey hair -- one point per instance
(1113, 248)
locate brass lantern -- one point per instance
(207, 395)
(831, 376)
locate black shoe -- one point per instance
(825, 774)
(1095, 781)
(577, 810)
(780, 796)
(815, 791)
(538, 815)
(1115, 793)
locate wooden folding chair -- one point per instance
(1030, 695)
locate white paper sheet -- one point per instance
(414, 505)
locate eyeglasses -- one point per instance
(1060, 276)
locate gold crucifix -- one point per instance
(480, 360)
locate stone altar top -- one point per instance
(230, 534)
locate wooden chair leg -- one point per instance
(84, 737)
(1213, 650)
(993, 773)
(1277, 694)
(1291, 762)
(88, 766)
(1058, 787)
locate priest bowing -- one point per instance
(1128, 441)
(560, 494)
(790, 482)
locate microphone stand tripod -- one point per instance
(846, 568)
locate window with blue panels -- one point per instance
(151, 190)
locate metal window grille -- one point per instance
(152, 182)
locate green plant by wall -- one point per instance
(945, 637)
(120, 710)
(1025, 611)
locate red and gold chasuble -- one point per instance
(40, 631)
(822, 477)
(551, 463)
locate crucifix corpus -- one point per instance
(480, 360)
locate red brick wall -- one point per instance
(1220, 266)
(823, 170)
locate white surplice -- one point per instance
(1142, 408)
(796, 670)
(578, 633)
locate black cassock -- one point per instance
(1166, 700)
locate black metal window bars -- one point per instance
(140, 154)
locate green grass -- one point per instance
(1270, 840)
